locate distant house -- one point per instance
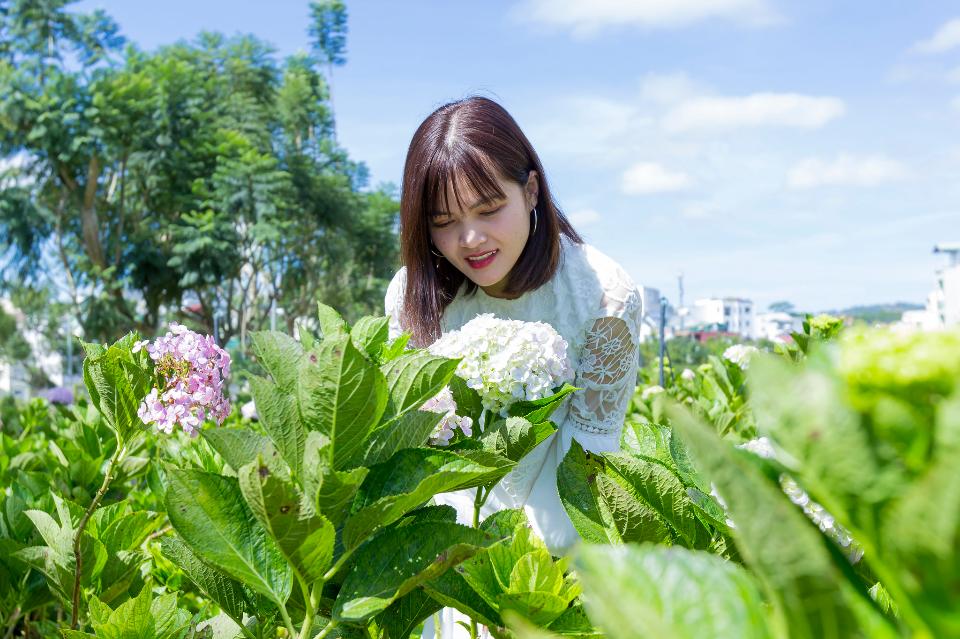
(725, 314)
(777, 326)
(943, 302)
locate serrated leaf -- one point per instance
(416, 377)
(517, 437)
(409, 479)
(575, 476)
(281, 419)
(304, 538)
(539, 410)
(240, 446)
(332, 491)
(332, 325)
(209, 512)
(401, 559)
(369, 334)
(394, 349)
(341, 395)
(215, 584)
(280, 355)
(402, 617)
(651, 591)
(412, 429)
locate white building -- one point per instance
(776, 326)
(943, 302)
(14, 378)
(733, 314)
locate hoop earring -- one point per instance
(534, 232)
(434, 252)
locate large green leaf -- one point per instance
(305, 539)
(402, 617)
(332, 325)
(281, 419)
(539, 410)
(400, 559)
(576, 475)
(409, 479)
(813, 593)
(634, 592)
(369, 334)
(331, 491)
(415, 377)
(215, 584)
(209, 512)
(341, 395)
(280, 355)
(117, 385)
(411, 429)
(240, 446)
(516, 437)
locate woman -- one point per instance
(480, 233)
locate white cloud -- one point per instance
(584, 217)
(650, 177)
(845, 170)
(947, 37)
(585, 19)
(758, 109)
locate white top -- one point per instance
(596, 307)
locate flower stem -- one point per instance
(107, 478)
(326, 629)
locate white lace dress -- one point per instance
(596, 307)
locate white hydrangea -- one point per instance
(688, 375)
(650, 391)
(763, 447)
(444, 404)
(740, 354)
(506, 361)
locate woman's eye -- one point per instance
(440, 225)
(493, 212)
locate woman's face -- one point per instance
(485, 240)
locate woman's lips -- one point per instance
(477, 264)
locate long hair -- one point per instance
(468, 143)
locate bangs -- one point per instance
(467, 172)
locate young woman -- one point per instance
(480, 233)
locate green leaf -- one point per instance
(409, 479)
(402, 617)
(774, 537)
(117, 385)
(539, 410)
(394, 349)
(575, 476)
(240, 446)
(540, 608)
(281, 419)
(332, 491)
(332, 325)
(399, 560)
(280, 355)
(343, 396)
(452, 590)
(650, 591)
(468, 400)
(304, 538)
(416, 377)
(215, 584)
(411, 429)
(516, 437)
(209, 512)
(369, 334)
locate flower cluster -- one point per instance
(506, 361)
(444, 404)
(740, 354)
(763, 447)
(194, 370)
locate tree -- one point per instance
(198, 181)
(781, 307)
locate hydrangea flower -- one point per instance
(506, 361)
(688, 375)
(194, 370)
(59, 395)
(740, 354)
(650, 391)
(444, 404)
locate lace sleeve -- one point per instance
(393, 302)
(608, 367)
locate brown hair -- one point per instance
(473, 140)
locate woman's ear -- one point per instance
(532, 189)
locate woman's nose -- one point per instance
(470, 237)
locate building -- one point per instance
(728, 314)
(943, 302)
(14, 377)
(776, 326)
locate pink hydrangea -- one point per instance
(194, 370)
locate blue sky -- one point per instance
(764, 148)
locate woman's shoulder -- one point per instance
(617, 289)
(395, 290)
